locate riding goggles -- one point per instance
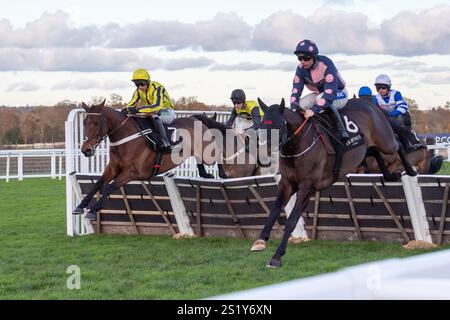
(140, 83)
(305, 57)
(381, 86)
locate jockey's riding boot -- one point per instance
(165, 146)
(339, 125)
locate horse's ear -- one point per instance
(263, 106)
(214, 117)
(85, 106)
(282, 105)
(103, 103)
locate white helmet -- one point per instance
(383, 79)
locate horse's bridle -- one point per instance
(101, 137)
(296, 132)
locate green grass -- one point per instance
(35, 253)
(445, 169)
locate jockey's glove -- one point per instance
(316, 108)
(131, 110)
(295, 107)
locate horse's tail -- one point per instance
(435, 164)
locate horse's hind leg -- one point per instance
(284, 193)
(394, 176)
(408, 168)
(106, 177)
(303, 195)
(202, 170)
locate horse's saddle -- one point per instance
(356, 136)
(151, 136)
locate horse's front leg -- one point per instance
(285, 191)
(303, 195)
(122, 179)
(106, 177)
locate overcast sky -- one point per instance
(55, 50)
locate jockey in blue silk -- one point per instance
(366, 93)
(391, 101)
(319, 74)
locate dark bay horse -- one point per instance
(133, 159)
(423, 160)
(306, 166)
(236, 162)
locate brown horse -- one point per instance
(133, 159)
(423, 160)
(306, 166)
(238, 161)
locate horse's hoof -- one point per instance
(274, 264)
(411, 173)
(258, 245)
(78, 210)
(393, 177)
(91, 216)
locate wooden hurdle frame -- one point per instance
(359, 207)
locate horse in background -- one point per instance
(307, 166)
(423, 160)
(226, 161)
(131, 157)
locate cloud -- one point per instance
(88, 84)
(23, 86)
(436, 79)
(52, 42)
(251, 66)
(78, 84)
(406, 34)
(115, 84)
(343, 3)
(50, 30)
(90, 60)
(244, 66)
(178, 64)
(424, 32)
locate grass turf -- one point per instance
(35, 253)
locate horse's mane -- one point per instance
(293, 118)
(210, 123)
(98, 108)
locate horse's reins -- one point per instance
(298, 130)
(101, 138)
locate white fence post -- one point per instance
(178, 207)
(20, 166)
(7, 167)
(60, 165)
(69, 168)
(53, 165)
(416, 208)
(299, 231)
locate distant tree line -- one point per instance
(45, 124)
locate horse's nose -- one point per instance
(88, 152)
